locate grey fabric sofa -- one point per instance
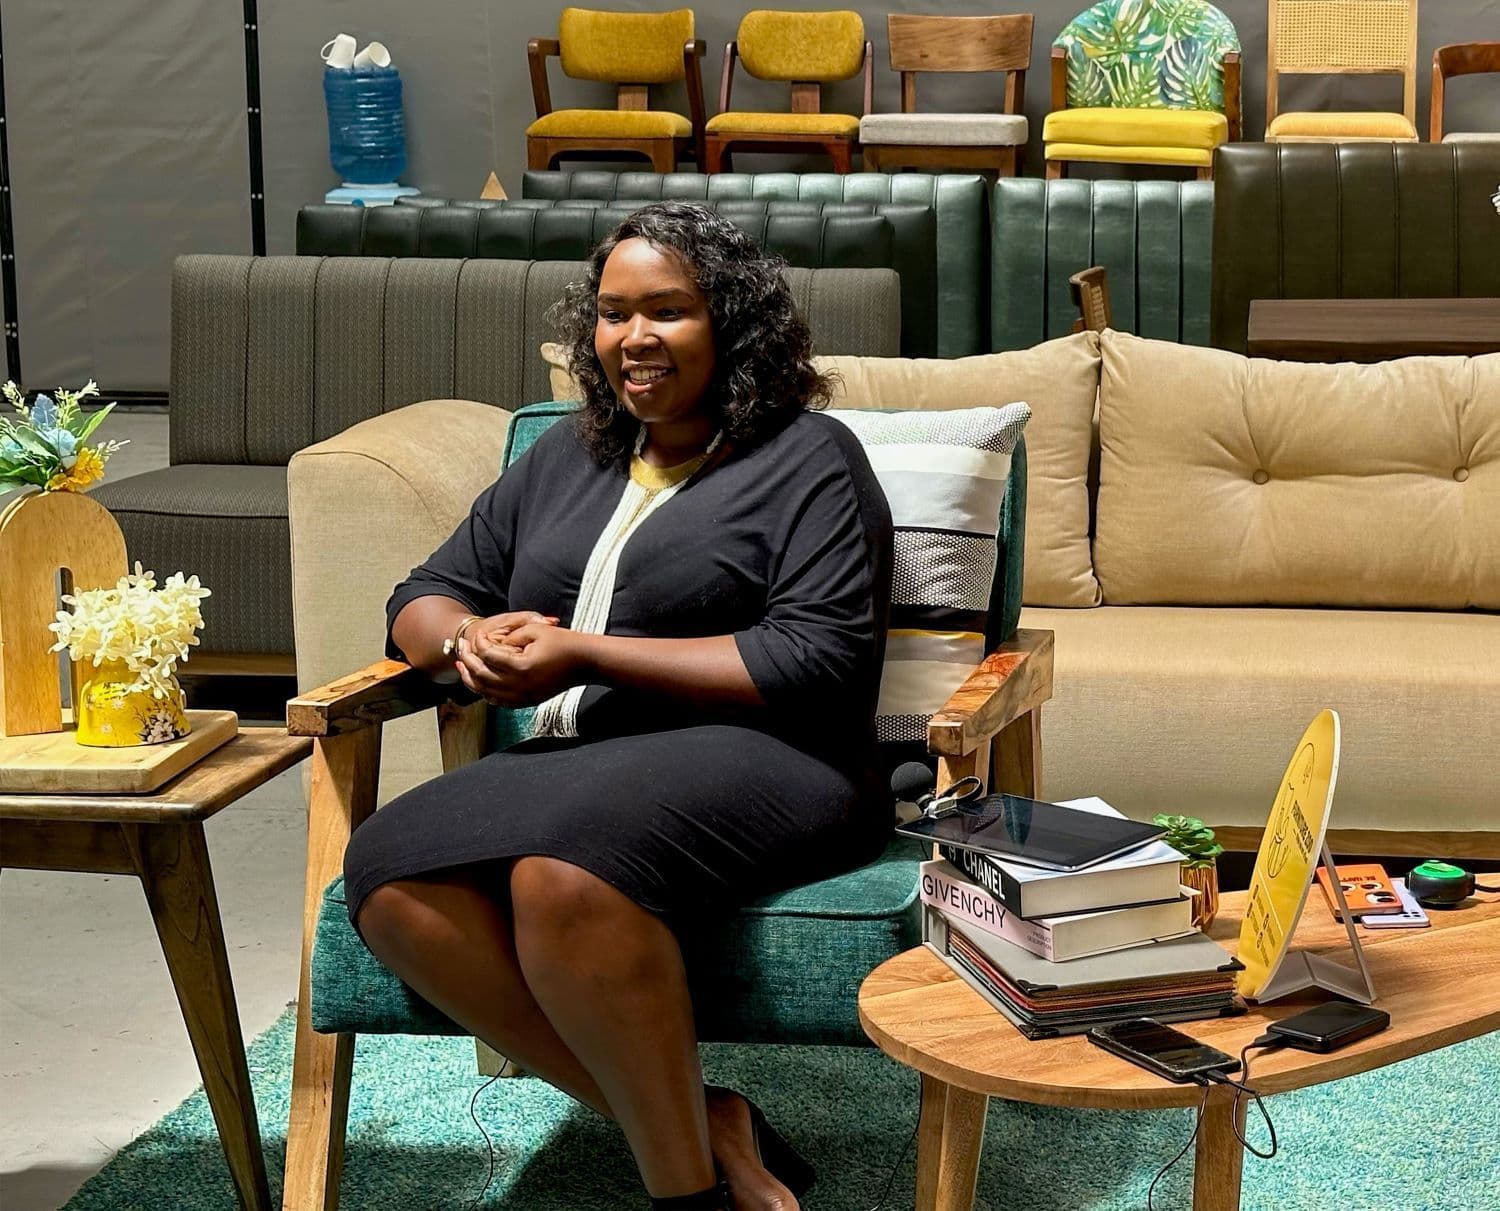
(273, 354)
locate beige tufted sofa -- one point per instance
(1223, 546)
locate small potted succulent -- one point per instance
(1194, 840)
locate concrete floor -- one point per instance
(92, 1045)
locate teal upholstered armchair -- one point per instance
(835, 931)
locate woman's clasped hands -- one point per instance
(519, 658)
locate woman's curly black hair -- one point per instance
(763, 372)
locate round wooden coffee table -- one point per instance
(922, 1014)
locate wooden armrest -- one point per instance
(1232, 93)
(1013, 679)
(537, 51)
(385, 690)
(1015, 91)
(726, 81)
(1059, 78)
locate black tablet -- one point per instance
(1034, 833)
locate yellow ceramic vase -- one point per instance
(112, 715)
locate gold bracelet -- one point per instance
(450, 646)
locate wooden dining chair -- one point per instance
(1461, 59)
(805, 50)
(1338, 37)
(632, 51)
(987, 141)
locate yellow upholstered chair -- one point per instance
(632, 51)
(806, 50)
(1330, 37)
(1462, 59)
(921, 43)
(1144, 82)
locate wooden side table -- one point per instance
(158, 837)
(918, 1011)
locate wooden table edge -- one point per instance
(148, 807)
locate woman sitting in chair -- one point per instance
(690, 583)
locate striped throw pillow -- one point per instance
(944, 476)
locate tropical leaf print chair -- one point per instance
(1144, 82)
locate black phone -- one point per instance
(1160, 1049)
(1329, 1027)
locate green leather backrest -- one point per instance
(529, 423)
(1351, 220)
(1152, 237)
(958, 199)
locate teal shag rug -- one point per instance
(1420, 1134)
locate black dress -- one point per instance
(787, 547)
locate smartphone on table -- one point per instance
(1411, 916)
(1160, 1049)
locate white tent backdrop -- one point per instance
(128, 130)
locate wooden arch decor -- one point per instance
(40, 534)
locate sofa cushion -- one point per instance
(610, 124)
(944, 130)
(744, 122)
(634, 48)
(1227, 480)
(1131, 153)
(944, 476)
(785, 969)
(1333, 126)
(226, 524)
(1059, 380)
(1196, 710)
(1202, 129)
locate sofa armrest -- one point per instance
(1013, 680)
(366, 506)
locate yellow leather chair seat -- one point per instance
(611, 124)
(1196, 129)
(734, 123)
(1336, 126)
(1100, 153)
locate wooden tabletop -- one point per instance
(1440, 985)
(254, 756)
(1372, 330)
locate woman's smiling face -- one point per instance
(654, 335)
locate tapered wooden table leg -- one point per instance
(173, 863)
(1219, 1159)
(950, 1134)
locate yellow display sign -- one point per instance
(1289, 854)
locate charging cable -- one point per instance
(1268, 1042)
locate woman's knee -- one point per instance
(561, 910)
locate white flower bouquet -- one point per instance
(144, 628)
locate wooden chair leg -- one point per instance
(663, 155)
(716, 153)
(870, 158)
(842, 153)
(345, 774)
(1057, 170)
(178, 881)
(1206, 173)
(538, 154)
(1008, 165)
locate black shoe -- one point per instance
(780, 1159)
(715, 1198)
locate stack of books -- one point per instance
(1058, 952)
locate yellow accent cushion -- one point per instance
(1203, 129)
(623, 48)
(1227, 480)
(801, 46)
(1332, 125)
(783, 124)
(611, 124)
(1099, 153)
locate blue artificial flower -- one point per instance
(44, 413)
